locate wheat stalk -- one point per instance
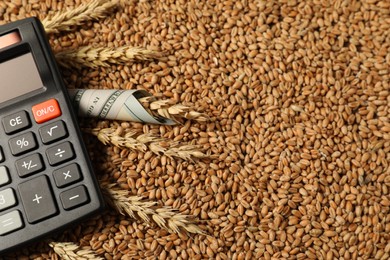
(143, 142)
(94, 57)
(71, 251)
(167, 109)
(137, 207)
(64, 21)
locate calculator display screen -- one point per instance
(18, 76)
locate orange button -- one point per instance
(46, 111)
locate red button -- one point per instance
(46, 111)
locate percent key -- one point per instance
(22, 143)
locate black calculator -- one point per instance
(46, 177)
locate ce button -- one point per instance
(16, 122)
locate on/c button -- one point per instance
(46, 111)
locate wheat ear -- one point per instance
(94, 57)
(71, 251)
(170, 110)
(144, 142)
(66, 20)
(137, 207)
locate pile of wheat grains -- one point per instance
(298, 140)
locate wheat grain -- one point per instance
(66, 20)
(298, 98)
(148, 211)
(95, 57)
(71, 251)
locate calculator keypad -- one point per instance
(36, 193)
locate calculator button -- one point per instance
(29, 165)
(4, 176)
(60, 153)
(46, 111)
(22, 143)
(37, 199)
(7, 199)
(53, 132)
(16, 122)
(2, 158)
(67, 175)
(74, 198)
(10, 222)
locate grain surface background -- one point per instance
(299, 135)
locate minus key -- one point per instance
(74, 198)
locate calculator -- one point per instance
(46, 177)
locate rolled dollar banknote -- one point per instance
(113, 105)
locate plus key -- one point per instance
(37, 199)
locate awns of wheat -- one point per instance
(71, 251)
(96, 56)
(146, 142)
(148, 211)
(92, 56)
(67, 20)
